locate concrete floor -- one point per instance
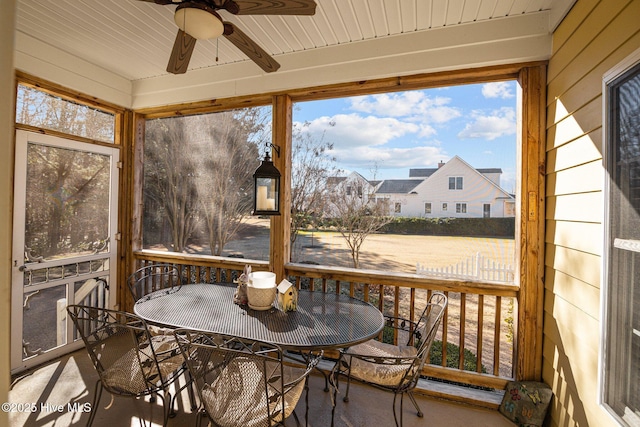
(49, 389)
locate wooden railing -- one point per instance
(478, 325)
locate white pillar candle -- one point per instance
(261, 198)
(262, 279)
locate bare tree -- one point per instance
(40, 109)
(311, 166)
(65, 185)
(198, 172)
(356, 213)
(169, 179)
(225, 180)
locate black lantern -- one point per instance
(267, 188)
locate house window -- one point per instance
(621, 333)
(353, 190)
(461, 208)
(486, 210)
(455, 183)
(397, 208)
(444, 207)
(427, 208)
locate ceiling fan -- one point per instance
(198, 19)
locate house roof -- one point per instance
(335, 180)
(421, 172)
(398, 186)
(427, 172)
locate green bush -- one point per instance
(473, 227)
(453, 353)
(453, 357)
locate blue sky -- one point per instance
(387, 134)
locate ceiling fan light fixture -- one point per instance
(199, 23)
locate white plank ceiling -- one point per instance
(132, 39)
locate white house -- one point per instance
(454, 189)
(353, 190)
(353, 185)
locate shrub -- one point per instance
(453, 357)
(453, 353)
(470, 227)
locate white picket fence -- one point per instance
(476, 267)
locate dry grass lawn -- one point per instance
(391, 252)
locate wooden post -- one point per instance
(530, 226)
(280, 242)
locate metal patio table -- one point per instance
(322, 320)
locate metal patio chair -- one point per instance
(152, 278)
(128, 361)
(243, 383)
(395, 368)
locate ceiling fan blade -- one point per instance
(250, 48)
(181, 53)
(271, 7)
(162, 2)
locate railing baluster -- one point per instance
(496, 336)
(445, 330)
(463, 323)
(480, 332)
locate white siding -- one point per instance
(477, 190)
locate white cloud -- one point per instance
(352, 130)
(388, 158)
(426, 131)
(498, 90)
(413, 106)
(499, 123)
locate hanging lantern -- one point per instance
(267, 189)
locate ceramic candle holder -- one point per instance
(261, 290)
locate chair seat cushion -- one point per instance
(128, 376)
(381, 371)
(238, 395)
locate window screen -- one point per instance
(622, 322)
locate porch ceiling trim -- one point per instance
(520, 38)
